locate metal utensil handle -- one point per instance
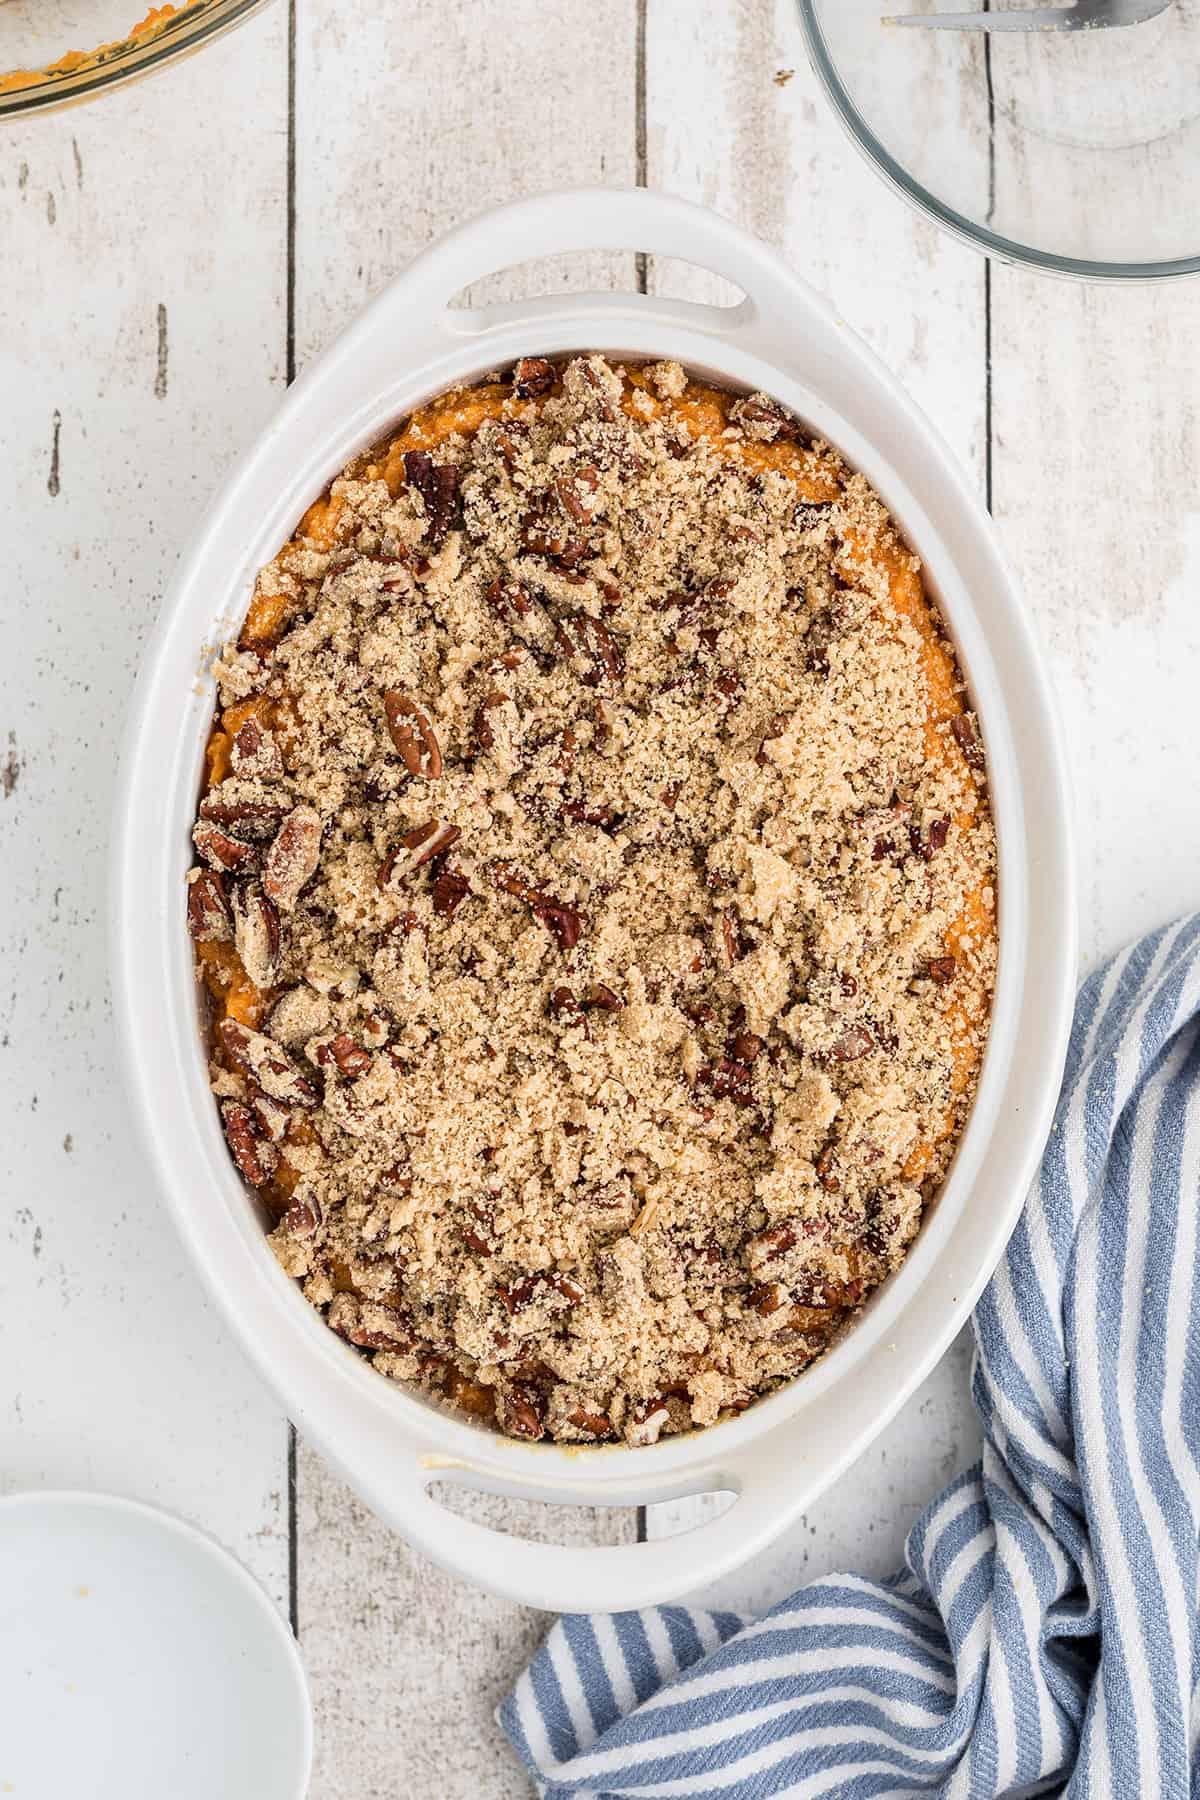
(1080, 15)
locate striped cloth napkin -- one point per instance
(1043, 1635)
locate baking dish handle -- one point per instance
(605, 1578)
(617, 219)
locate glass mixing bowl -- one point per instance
(53, 52)
(1075, 152)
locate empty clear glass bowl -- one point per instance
(1075, 152)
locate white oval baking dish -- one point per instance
(392, 1444)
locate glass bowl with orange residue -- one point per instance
(55, 55)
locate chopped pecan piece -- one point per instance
(563, 920)
(745, 1047)
(942, 970)
(824, 1167)
(563, 1004)
(303, 1217)
(209, 919)
(647, 1421)
(219, 848)
(253, 820)
(395, 1182)
(487, 715)
(473, 1236)
(370, 1327)
(411, 730)
(343, 1054)
(293, 857)
(776, 725)
(257, 934)
(853, 1044)
(533, 376)
(729, 943)
(766, 1249)
(450, 888)
(523, 1293)
(568, 1289)
(727, 1080)
(811, 1318)
(726, 688)
(595, 381)
(438, 488)
(420, 845)
(967, 738)
(595, 1424)
(272, 1115)
(383, 783)
(764, 419)
(603, 998)
(933, 841)
(767, 1297)
(585, 640)
(580, 813)
(576, 492)
(520, 1409)
(568, 749)
(254, 752)
(244, 1147)
(541, 539)
(263, 1060)
(509, 600)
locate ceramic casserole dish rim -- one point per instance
(390, 1443)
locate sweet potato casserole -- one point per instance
(595, 900)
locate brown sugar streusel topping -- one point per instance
(596, 900)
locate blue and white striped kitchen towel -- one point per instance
(1042, 1637)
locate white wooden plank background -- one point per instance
(155, 299)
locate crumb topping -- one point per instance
(596, 897)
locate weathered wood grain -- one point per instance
(408, 126)
(1096, 401)
(408, 1665)
(140, 347)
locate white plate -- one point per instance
(138, 1661)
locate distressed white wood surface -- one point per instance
(126, 386)
(144, 330)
